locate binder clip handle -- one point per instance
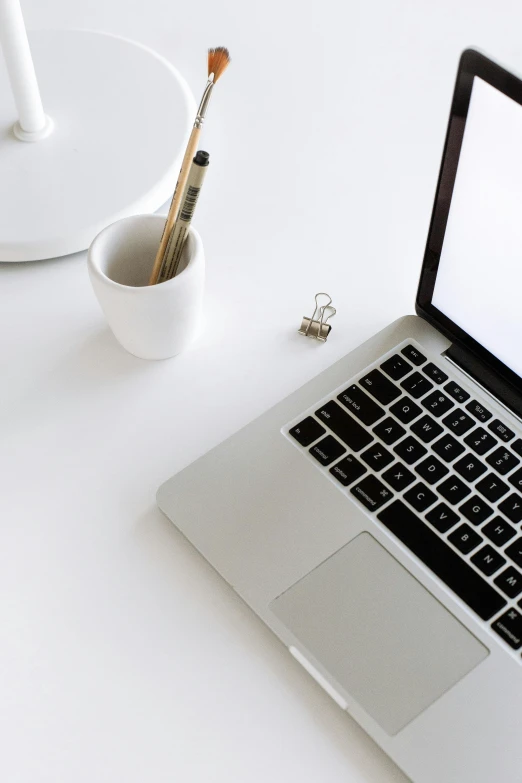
(317, 326)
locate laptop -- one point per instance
(372, 519)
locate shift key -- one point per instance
(344, 426)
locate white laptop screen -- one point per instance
(479, 277)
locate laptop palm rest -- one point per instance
(386, 641)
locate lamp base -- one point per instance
(121, 116)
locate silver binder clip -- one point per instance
(316, 326)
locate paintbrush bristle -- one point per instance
(218, 59)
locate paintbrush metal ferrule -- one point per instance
(198, 122)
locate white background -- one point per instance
(480, 271)
(124, 658)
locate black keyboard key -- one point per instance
(478, 411)
(498, 531)
(453, 489)
(327, 450)
(377, 457)
(517, 446)
(371, 493)
(396, 367)
(480, 441)
(431, 469)
(442, 517)
(510, 582)
(433, 372)
(516, 479)
(455, 391)
(448, 448)
(410, 450)
(514, 551)
(406, 410)
(492, 487)
(413, 355)
(458, 575)
(426, 428)
(420, 497)
(389, 430)
(476, 510)
(416, 385)
(380, 387)
(502, 460)
(398, 477)
(470, 467)
(360, 405)
(465, 538)
(307, 431)
(501, 431)
(348, 470)
(488, 560)
(437, 403)
(509, 627)
(458, 422)
(511, 507)
(344, 426)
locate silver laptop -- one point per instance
(372, 519)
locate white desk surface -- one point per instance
(123, 656)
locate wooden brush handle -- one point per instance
(175, 203)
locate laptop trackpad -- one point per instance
(384, 638)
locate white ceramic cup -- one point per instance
(150, 321)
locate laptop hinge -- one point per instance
(493, 383)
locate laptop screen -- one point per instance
(478, 285)
(470, 287)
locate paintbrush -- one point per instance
(218, 59)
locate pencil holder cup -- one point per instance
(149, 321)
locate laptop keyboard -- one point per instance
(438, 469)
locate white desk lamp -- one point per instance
(104, 141)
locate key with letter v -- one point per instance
(442, 517)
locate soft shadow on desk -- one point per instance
(168, 554)
(89, 368)
(6, 132)
(100, 361)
